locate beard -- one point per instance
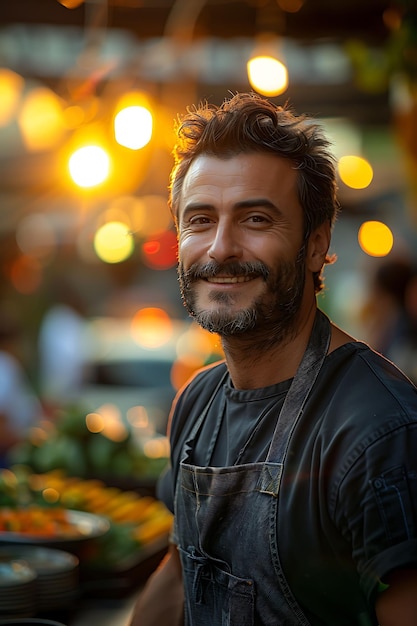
(272, 314)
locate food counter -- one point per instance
(75, 550)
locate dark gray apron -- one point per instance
(226, 520)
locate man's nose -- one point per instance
(226, 244)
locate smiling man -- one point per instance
(293, 476)
(242, 255)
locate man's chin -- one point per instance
(225, 323)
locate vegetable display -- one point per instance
(35, 504)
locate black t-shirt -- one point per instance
(348, 499)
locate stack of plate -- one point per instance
(57, 580)
(17, 589)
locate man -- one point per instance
(293, 472)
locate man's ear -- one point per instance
(318, 246)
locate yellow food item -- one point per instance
(142, 518)
(153, 528)
(40, 521)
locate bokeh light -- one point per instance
(183, 368)
(160, 252)
(151, 327)
(94, 422)
(267, 75)
(392, 18)
(115, 212)
(150, 215)
(113, 242)
(133, 127)
(355, 171)
(121, 209)
(11, 87)
(41, 119)
(196, 341)
(113, 426)
(25, 274)
(375, 238)
(74, 116)
(157, 448)
(196, 347)
(89, 166)
(138, 417)
(35, 236)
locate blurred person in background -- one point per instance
(408, 358)
(61, 346)
(293, 476)
(20, 408)
(389, 316)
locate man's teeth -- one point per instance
(228, 279)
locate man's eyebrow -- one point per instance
(250, 203)
(198, 206)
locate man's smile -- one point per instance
(229, 280)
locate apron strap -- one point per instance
(199, 422)
(300, 388)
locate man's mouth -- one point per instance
(228, 280)
(226, 274)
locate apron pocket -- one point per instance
(217, 597)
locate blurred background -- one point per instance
(91, 321)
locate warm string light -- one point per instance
(355, 171)
(266, 69)
(375, 238)
(267, 75)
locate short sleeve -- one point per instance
(377, 507)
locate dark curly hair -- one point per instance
(248, 123)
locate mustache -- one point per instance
(212, 269)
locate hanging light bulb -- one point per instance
(133, 127)
(267, 73)
(133, 121)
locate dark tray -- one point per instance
(129, 574)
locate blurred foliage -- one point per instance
(374, 67)
(66, 443)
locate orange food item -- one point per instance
(35, 520)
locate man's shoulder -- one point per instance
(361, 385)
(363, 364)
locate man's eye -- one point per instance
(199, 219)
(257, 218)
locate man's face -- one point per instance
(241, 254)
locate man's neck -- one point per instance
(256, 361)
